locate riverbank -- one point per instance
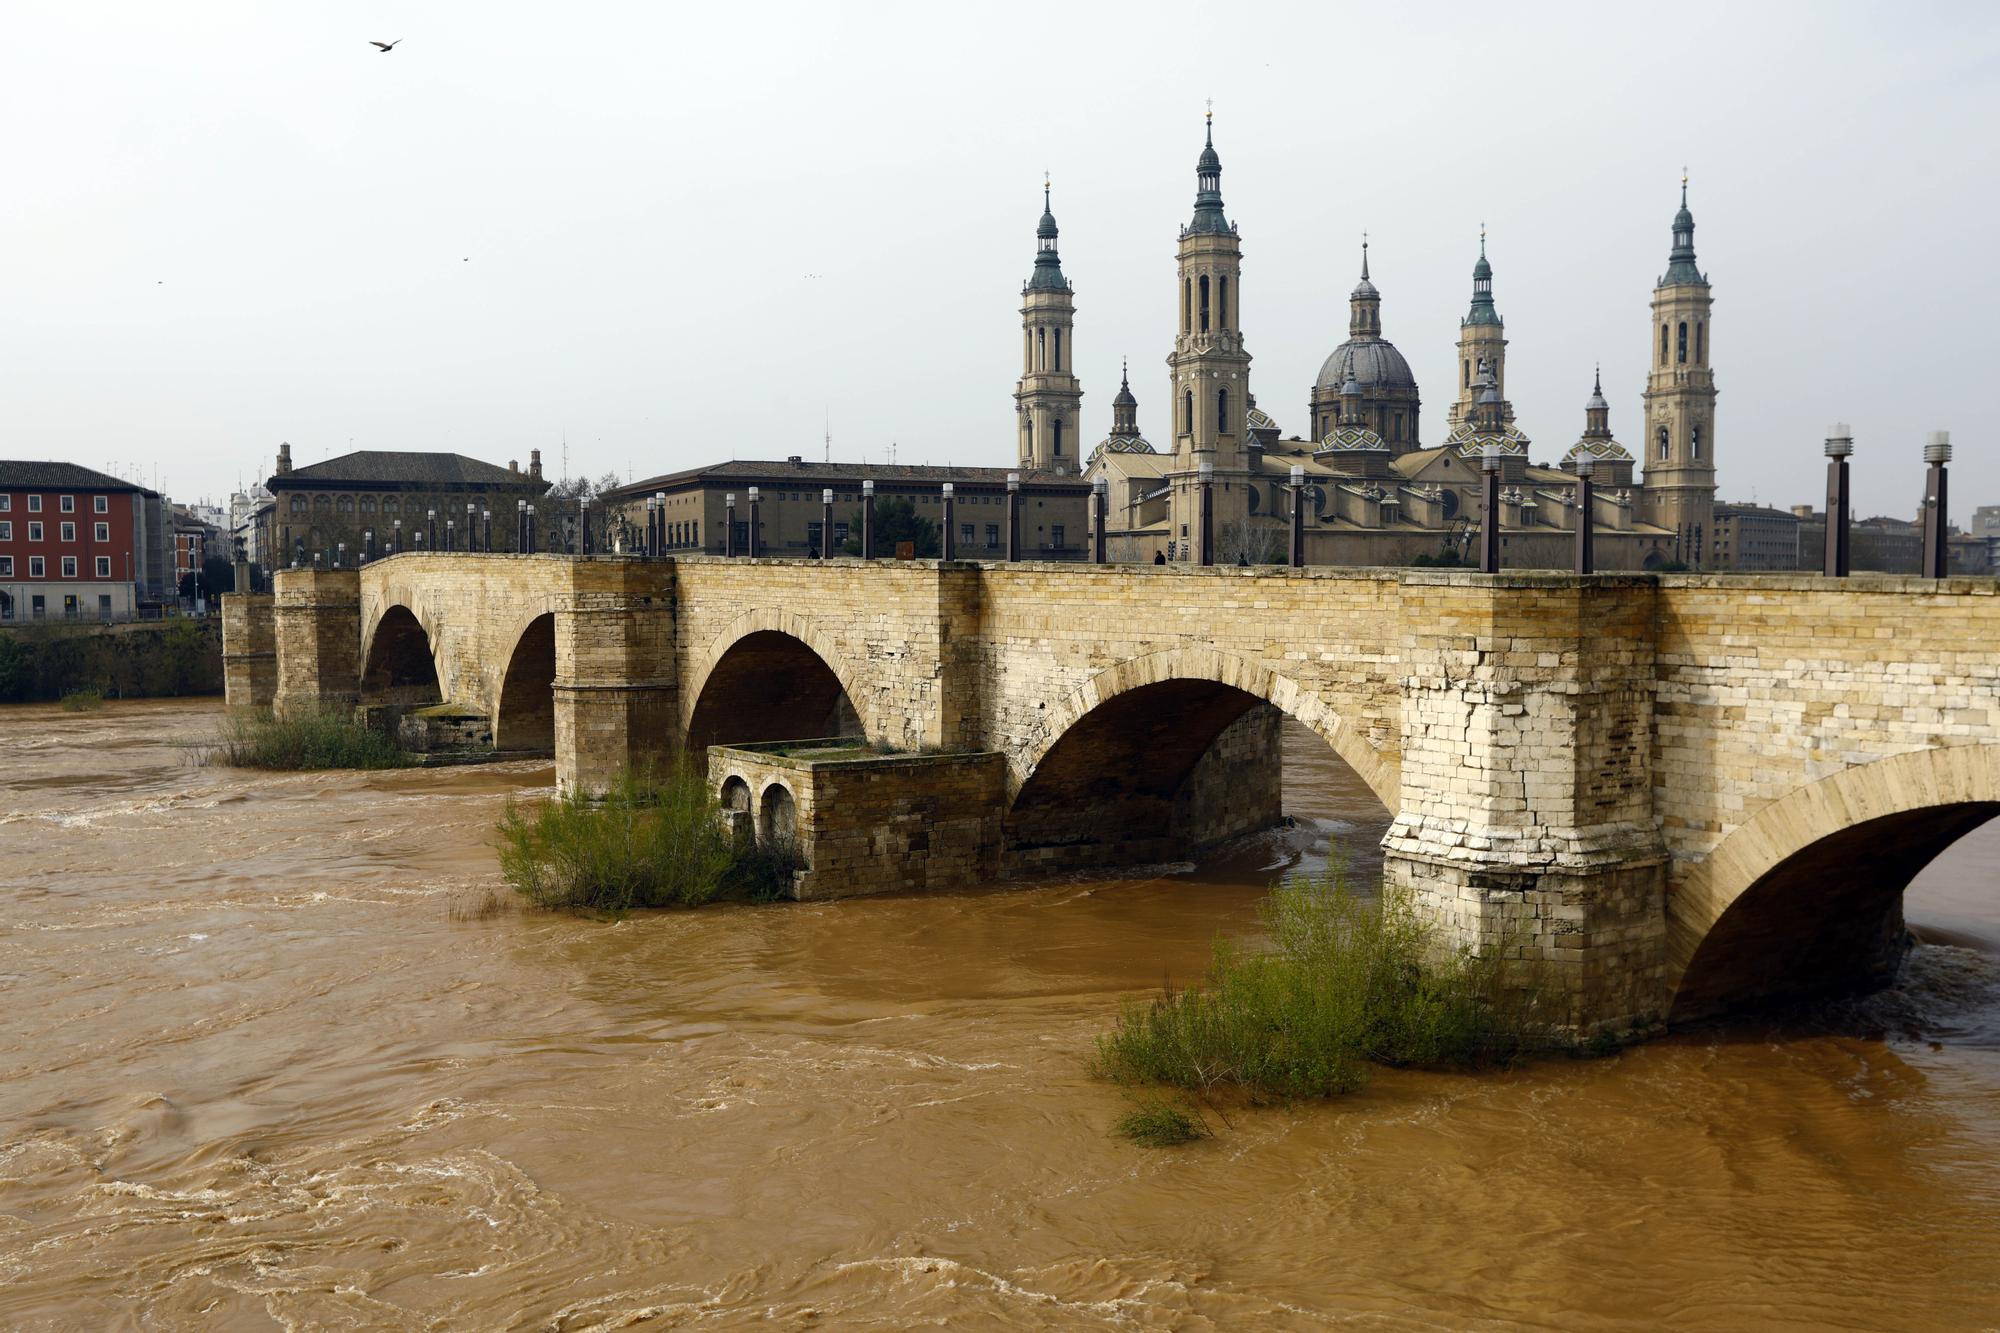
(259, 1074)
(139, 660)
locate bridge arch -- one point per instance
(525, 718)
(1806, 896)
(399, 659)
(1122, 771)
(770, 676)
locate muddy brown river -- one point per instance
(262, 1065)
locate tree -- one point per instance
(896, 520)
(1253, 543)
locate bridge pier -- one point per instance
(250, 649)
(316, 615)
(617, 696)
(1525, 820)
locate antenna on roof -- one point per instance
(828, 415)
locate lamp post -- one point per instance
(1013, 516)
(1585, 553)
(729, 525)
(471, 527)
(396, 541)
(487, 516)
(660, 522)
(1937, 452)
(1839, 446)
(1298, 553)
(533, 544)
(368, 545)
(1489, 509)
(1205, 478)
(756, 502)
(520, 525)
(583, 522)
(826, 523)
(1100, 506)
(451, 534)
(945, 547)
(867, 520)
(339, 559)
(431, 528)
(651, 546)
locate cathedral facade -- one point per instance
(1374, 492)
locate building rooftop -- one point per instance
(377, 467)
(27, 474)
(802, 472)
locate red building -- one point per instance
(72, 542)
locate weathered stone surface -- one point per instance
(250, 650)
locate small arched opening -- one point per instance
(527, 717)
(400, 668)
(778, 817)
(770, 686)
(735, 795)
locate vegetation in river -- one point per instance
(312, 738)
(1155, 1122)
(82, 701)
(654, 839)
(1344, 986)
(48, 659)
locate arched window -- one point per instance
(346, 504)
(1694, 440)
(1055, 437)
(1468, 374)
(1187, 412)
(1187, 304)
(1663, 444)
(1396, 425)
(1027, 435)
(1701, 343)
(1222, 302)
(1222, 409)
(298, 504)
(1058, 349)
(1204, 303)
(1042, 349)
(1663, 344)
(1681, 344)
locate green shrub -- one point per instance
(82, 701)
(652, 840)
(1344, 986)
(1154, 1122)
(762, 872)
(308, 739)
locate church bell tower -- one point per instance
(1209, 372)
(1048, 398)
(1482, 343)
(1679, 448)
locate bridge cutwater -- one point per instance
(1679, 792)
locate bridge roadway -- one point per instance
(1679, 792)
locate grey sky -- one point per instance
(680, 233)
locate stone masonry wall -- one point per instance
(250, 650)
(1238, 786)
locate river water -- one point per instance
(264, 1065)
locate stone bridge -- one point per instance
(1678, 792)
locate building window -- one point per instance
(1056, 536)
(367, 504)
(37, 567)
(1204, 302)
(6, 503)
(1467, 373)
(1397, 427)
(100, 504)
(993, 536)
(298, 504)
(1055, 435)
(6, 568)
(1222, 301)
(6, 532)
(104, 605)
(68, 531)
(34, 504)
(69, 566)
(1694, 441)
(1222, 409)
(104, 566)
(1681, 344)
(1187, 304)
(66, 503)
(965, 532)
(1663, 444)
(34, 532)
(1701, 343)
(1041, 349)
(1058, 349)
(346, 504)
(100, 532)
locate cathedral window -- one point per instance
(1396, 426)
(1058, 349)
(1204, 303)
(1681, 344)
(1663, 344)
(1694, 441)
(1222, 409)
(1222, 303)
(1042, 348)
(1055, 437)
(1187, 412)
(1187, 304)
(1663, 444)
(1468, 374)
(1027, 434)
(1701, 343)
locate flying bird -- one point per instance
(386, 47)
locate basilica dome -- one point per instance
(1374, 363)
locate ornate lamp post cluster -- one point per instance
(1936, 558)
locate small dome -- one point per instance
(1351, 440)
(1470, 441)
(1257, 419)
(1125, 398)
(1120, 444)
(1604, 451)
(1373, 363)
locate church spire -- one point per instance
(1482, 311)
(1680, 260)
(1048, 274)
(1124, 408)
(1208, 218)
(1364, 303)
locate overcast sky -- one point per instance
(676, 234)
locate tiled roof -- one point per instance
(381, 466)
(801, 472)
(26, 474)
